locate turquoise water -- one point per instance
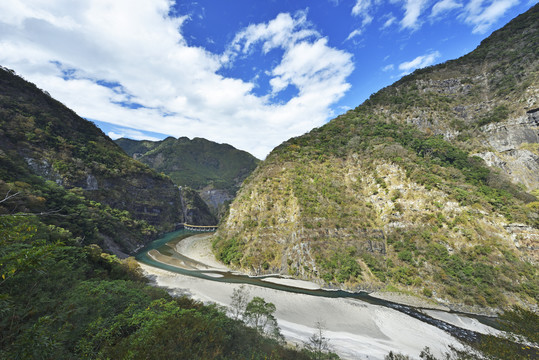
(156, 244)
(228, 277)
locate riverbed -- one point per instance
(356, 329)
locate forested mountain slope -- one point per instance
(395, 194)
(215, 170)
(58, 162)
(66, 192)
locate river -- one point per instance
(357, 324)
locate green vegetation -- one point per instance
(215, 171)
(196, 163)
(61, 300)
(341, 267)
(497, 114)
(88, 221)
(260, 315)
(66, 191)
(505, 64)
(42, 139)
(375, 199)
(230, 252)
(520, 340)
(378, 198)
(417, 257)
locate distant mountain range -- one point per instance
(429, 187)
(215, 170)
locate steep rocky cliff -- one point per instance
(513, 147)
(195, 210)
(395, 195)
(40, 139)
(486, 101)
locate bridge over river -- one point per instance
(202, 228)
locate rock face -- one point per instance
(510, 135)
(389, 194)
(515, 148)
(41, 137)
(217, 199)
(486, 101)
(195, 210)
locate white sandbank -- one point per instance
(302, 284)
(214, 275)
(355, 329)
(463, 322)
(198, 248)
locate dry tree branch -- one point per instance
(8, 196)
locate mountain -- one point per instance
(62, 165)
(66, 191)
(215, 170)
(429, 187)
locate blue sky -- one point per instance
(248, 73)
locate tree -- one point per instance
(396, 356)
(240, 299)
(318, 343)
(426, 354)
(259, 314)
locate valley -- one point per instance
(405, 225)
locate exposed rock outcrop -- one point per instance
(215, 171)
(515, 149)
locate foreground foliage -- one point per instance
(60, 300)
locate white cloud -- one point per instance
(308, 62)
(419, 62)
(277, 33)
(362, 8)
(412, 11)
(131, 134)
(444, 6)
(137, 46)
(315, 68)
(482, 16)
(390, 20)
(354, 33)
(388, 68)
